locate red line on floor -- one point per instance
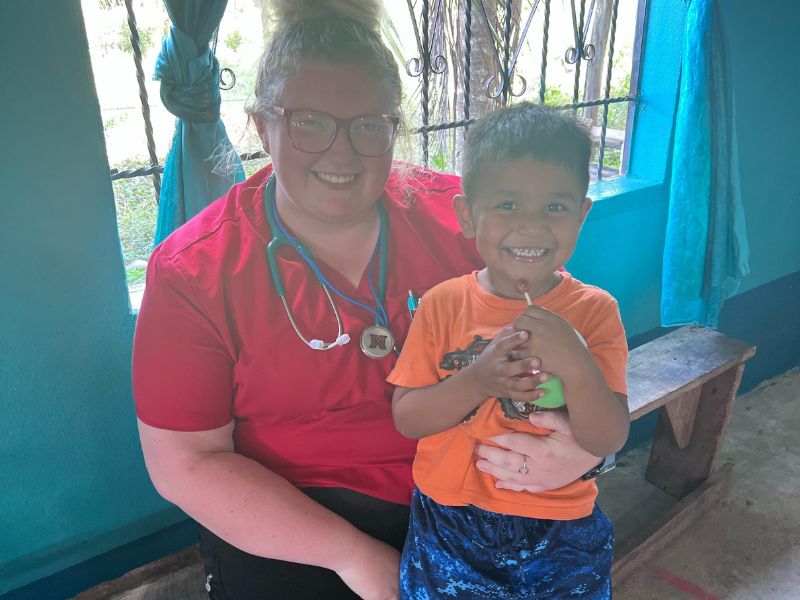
(695, 591)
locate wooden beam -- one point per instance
(633, 553)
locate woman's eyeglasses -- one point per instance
(312, 131)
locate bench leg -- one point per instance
(678, 470)
(681, 413)
(630, 554)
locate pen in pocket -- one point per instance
(413, 303)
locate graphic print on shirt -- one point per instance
(460, 358)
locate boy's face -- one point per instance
(525, 217)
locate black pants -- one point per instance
(236, 575)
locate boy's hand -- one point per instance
(498, 370)
(552, 339)
(599, 419)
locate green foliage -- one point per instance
(233, 40)
(136, 215)
(618, 112)
(122, 41)
(135, 274)
(251, 166)
(556, 97)
(611, 157)
(135, 198)
(111, 122)
(440, 162)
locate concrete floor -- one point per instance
(750, 547)
(746, 549)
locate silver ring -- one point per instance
(523, 470)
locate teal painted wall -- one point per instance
(767, 85)
(72, 482)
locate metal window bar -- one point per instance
(636, 73)
(148, 126)
(505, 52)
(430, 65)
(604, 126)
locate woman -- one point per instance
(271, 320)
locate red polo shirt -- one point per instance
(213, 343)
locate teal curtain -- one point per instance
(706, 251)
(201, 164)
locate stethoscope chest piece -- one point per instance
(377, 341)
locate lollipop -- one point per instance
(522, 286)
(553, 387)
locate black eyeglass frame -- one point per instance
(345, 124)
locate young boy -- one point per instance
(474, 339)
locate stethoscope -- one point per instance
(377, 340)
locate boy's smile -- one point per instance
(525, 216)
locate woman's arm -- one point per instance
(260, 512)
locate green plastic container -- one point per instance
(554, 398)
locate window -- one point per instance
(459, 59)
(471, 57)
(124, 42)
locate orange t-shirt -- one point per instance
(453, 324)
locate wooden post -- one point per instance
(677, 470)
(681, 413)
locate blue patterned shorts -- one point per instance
(465, 552)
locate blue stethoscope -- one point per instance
(377, 340)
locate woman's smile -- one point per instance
(335, 178)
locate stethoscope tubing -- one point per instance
(281, 237)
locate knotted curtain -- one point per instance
(201, 164)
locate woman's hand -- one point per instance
(373, 572)
(553, 460)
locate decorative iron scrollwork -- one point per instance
(580, 49)
(504, 86)
(587, 53)
(415, 66)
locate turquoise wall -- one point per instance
(767, 84)
(72, 482)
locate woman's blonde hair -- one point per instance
(332, 31)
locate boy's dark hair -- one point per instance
(526, 130)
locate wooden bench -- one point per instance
(691, 375)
